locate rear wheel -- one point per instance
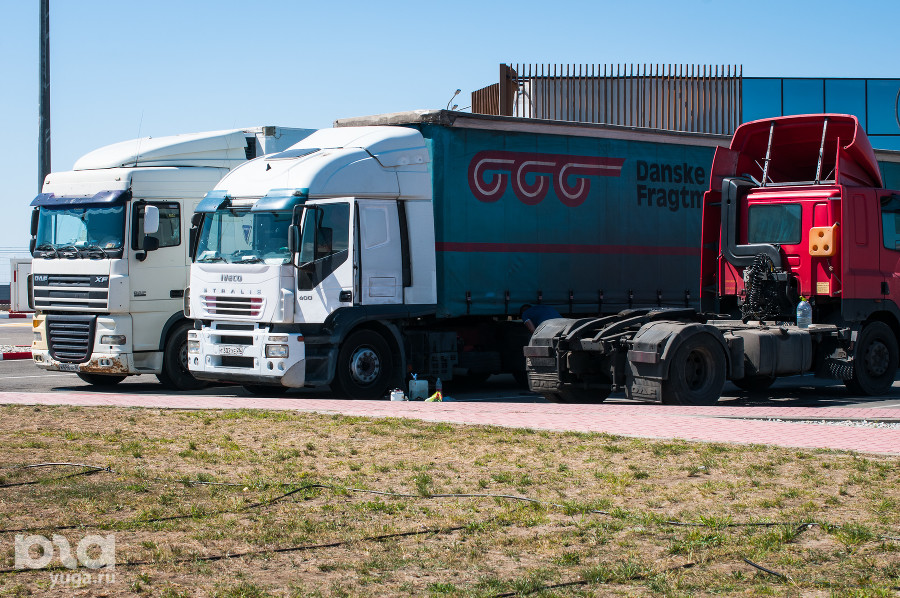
(364, 366)
(175, 374)
(874, 360)
(696, 373)
(100, 379)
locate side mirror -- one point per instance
(35, 215)
(196, 219)
(150, 243)
(293, 238)
(151, 220)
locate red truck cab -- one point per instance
(796, 208)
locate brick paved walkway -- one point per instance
(710, 424)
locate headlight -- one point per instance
(112, 339)
(193, 347)
(186, 303)
(37, 336)
(276, 350)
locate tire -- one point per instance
(364, 366)
(265, 390)
(175, 374)
(754, 383)
(874, 360)
(696, 373)
(584, 396)
(101, 380)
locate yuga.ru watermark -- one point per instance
(93, 552)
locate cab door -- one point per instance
(157, 278)
(380, 261)
(861, 244)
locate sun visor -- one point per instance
(278, 200)
(103, 198)
(212, 202)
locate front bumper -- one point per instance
(236, 352)
(100, 358)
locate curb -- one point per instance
(11, 355)
(13, 314)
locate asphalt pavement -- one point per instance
(866, 424)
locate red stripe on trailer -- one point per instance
(563, 248)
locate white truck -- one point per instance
(110, 258)
(410, 243)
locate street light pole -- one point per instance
(44, 105)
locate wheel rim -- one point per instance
(365, 366)
(696, 371)
(183, 356)
(877, 358)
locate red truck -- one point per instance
(795, 208)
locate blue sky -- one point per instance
(120, 70)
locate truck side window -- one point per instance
(774, 223)
(890, 222)
(324, 243)
(169, 233)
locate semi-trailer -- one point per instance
(110, 260)
(409, 242)
(796, 208)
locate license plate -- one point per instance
(231, 350)
(69, 367)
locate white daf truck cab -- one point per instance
(110, 260)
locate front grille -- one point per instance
(70, 338)
(230, 361)
(224, 326)
(223, 305)
(75, 292)
(226, 339)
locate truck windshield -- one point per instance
(242, 236)
(80, 232)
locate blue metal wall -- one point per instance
(873, 101)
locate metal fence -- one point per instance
(701, 98)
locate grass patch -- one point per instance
(195, 484)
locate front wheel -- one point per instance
(874, 360)
(175, 374)
(696, 373)
(364, 366)
(101, 380)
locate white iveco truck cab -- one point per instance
(110, 257)
(306, 259)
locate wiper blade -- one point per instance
(212, 258)
(249, 259)
(68, 251)
(93, 249)
(48, 249)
